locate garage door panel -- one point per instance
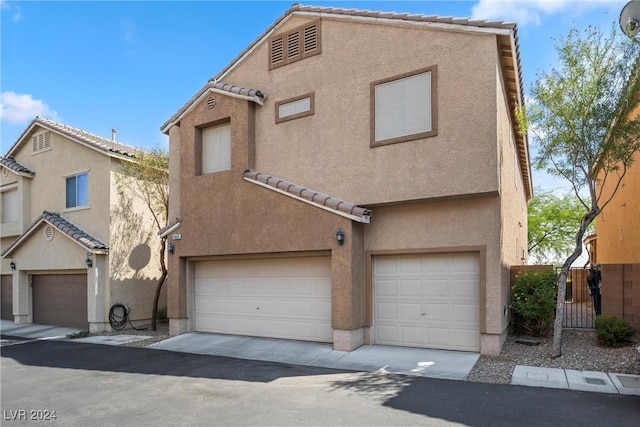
(6, 296)
(410, 287)
(60, 299)
(280, 298)
(412, 335)
(445, 287)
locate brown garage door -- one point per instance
(6, 297)
(60, 299)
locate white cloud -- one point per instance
(129, 37)
(531, 11)
(17, 108)
(16, 12)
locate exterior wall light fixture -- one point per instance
(340, 236)
(89, 262)
(170, 247)
(13, 265)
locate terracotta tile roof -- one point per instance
(84, 239)
(307, 195)
(11, 164)
(215, 86)
(103, 144)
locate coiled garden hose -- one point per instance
(119, 317)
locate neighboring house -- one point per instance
(617, 237)
(353, 177)
(73, 242)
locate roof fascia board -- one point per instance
(365, 219)
(255, 99)
(171, 229)
(25, 174)
(407, 23)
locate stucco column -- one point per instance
(348, 289)
(98, 294)
(177, 294)
(21, 297)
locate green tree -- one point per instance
(581, 119)
(147, 178)
(552, 224)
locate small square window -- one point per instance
(295, 108)
(404, 107)
(216, 148)
(78, 190)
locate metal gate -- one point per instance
(579, 312)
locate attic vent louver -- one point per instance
(48, 233)
(211, 102)
(41, 141)
(294, 45)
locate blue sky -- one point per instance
(130, 65)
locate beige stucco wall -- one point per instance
(339, 131)
(513, 207)
(134, 249)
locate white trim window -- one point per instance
(216, 148)
(77, 190)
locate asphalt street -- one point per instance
(98, 385)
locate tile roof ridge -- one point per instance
(11, 163)
(88, 137)
(314, 197)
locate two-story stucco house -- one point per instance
(353, 177)
(74, 242)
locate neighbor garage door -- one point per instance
(280, 298)
(6, 297)
(427, 301)
(60, 299)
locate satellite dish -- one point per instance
(630, 18)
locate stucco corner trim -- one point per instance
(311, 197)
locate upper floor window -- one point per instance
(294, 45)
(404, 107)
(295, 108)
(41, 142)
(216, 148)
(78, 190)
(10, 211)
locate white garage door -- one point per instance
(427, 301)
(279, 298)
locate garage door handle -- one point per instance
(423, 314)
(257, 308)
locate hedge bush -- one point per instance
(533, 301)
(613, 331)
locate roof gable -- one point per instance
(66, 227)
(95, 142)
(214, 86)
(11, 164)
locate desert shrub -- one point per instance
(613, 331)
(533, 301)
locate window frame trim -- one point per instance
(433, 69)
(199, 147)
(71, 175)
(311, 111)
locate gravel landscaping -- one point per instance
(579, 351)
